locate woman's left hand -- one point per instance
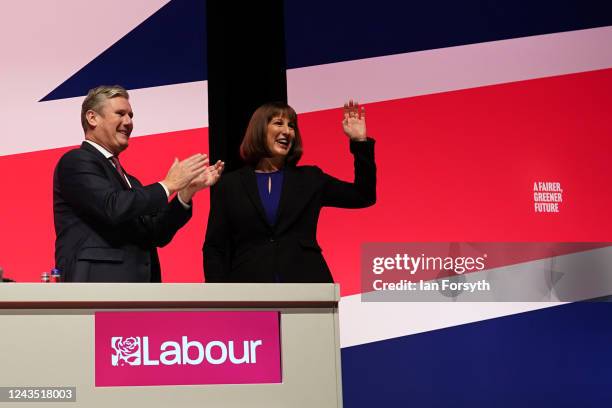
(354, 123)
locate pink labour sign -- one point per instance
(186, 348)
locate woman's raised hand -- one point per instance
(354, 123)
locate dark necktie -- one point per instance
(115, 161)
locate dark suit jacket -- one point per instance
(240, 244)
(104, 231)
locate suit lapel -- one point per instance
(295, 195)
(249, 181)
(109, 166)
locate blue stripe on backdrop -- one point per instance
(323, 31)
(555, 357)
(167, 48)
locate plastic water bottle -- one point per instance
(45, 277)
(56, 275)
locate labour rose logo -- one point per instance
(125, 352)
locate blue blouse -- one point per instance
(270, 197)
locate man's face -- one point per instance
(113, 125)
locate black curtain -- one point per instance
(246, 68)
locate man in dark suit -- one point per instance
(107, 224)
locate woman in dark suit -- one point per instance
(262, 224)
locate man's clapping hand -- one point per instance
(183, 172)
(206, 179)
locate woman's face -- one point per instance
(281, 134)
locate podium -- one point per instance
(48, 339)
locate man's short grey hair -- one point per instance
(97, 96)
